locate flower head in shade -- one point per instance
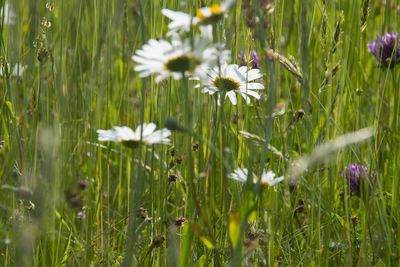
(7, 15)
(267, 178)
(173, 59)
(355, 174)
(128, 137)
(181, 21)
(231, 80)
(386, 49)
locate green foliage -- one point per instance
(68, 200)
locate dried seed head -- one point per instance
(45, 22)
(172, 177)
(195, 147)
(178, 159)
(299, 114)
(180, 221)
(50, 6)
(171, 164)
(43, 54)
(81, 215)
(157, 241)
(82, 185)
(354, 220)
(299, 207)
(142, 213)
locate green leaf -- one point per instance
(234, 228)
(202, 261)
(206, 240)
(10, 109)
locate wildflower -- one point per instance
(386, 49)
(267, 178)
(355, 174)
(128, 137)
(255, 60)
(176, 58)
(231, 80)
(17, 70)
(204, 16)
(7, 15)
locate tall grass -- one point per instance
(68, 200)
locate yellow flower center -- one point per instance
(225, 84)
(216, 9)
(200, 14)
(210, 14)
(257, 180)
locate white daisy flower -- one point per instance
(175, 58)
(232, 79)
(7, 15)
(128, 137)
(17, 71)
(267, 178)
(204, 16)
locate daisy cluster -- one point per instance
(199, 58)
(189, 51)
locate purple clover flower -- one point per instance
(242, 59)
(386, 49)
(355, 174)
(254, 57)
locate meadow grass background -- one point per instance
(68, 200)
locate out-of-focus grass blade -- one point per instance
(234, 228)
(323, 151)
(206, 240)
(202, 261)
(185, 254)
